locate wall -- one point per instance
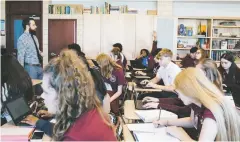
(216, 9)
(3, 38)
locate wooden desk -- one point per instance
(127, 136)
(11, 124)
(36, 81)
(129, 111)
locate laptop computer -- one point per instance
(18, 110)
(135, 64)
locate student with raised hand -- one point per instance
(154, 45)
(175, 104)
(113, 78)
(167, 72)
(145, 59)
(69, 93)
(190, 59)
(212, 115)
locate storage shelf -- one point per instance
(191, 37)
(188, 49)
(226, 38)
(226, 49)
(226, 26)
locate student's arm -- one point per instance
(117, 94)
(209, 130)
(182, 122)
(155, 80)
(45, 126)
(21, 51)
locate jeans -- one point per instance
(35, 72)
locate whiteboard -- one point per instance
(167, 33)
(91, 35)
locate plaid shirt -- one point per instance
(26, 49)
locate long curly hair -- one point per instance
(75, 88)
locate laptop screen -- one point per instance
(18, 108)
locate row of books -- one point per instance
(106, 9)
(216, 55)
(65, 9)
(224, 44)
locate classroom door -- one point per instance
(61, 33)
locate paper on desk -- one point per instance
(16, 131)
(151, 115)
(146, 128)
(154, 137)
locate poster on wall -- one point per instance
(2, 27)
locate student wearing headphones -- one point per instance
(70, 94)
(212, 115)
(167, 72)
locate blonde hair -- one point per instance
(164, 52)
(75, 88)
(210, 68)
(192, 82)
(107, 65)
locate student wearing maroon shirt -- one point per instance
(212, 115)
(114, 79)
(175, 105)
(190, 59)
(69, 93)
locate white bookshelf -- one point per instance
(212, 38)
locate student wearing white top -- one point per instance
(167, 72)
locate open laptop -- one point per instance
(135, 64)
(18, 110)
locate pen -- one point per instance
(159, 115)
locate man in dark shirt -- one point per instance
(190, 59)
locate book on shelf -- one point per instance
(65, 9)
(151, 12)
(132, 11)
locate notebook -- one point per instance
(151, 115)
(145, 132)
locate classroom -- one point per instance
(120, 70)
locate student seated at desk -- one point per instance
(145, 59)
(230, 72)
(151, 72)
(167, 72)
(212, 115)
(69, 93)
(200, 55)
(190, 59)
(95, 72)
(15, 82)
(121, 57)
(113, 78)
(175, 105)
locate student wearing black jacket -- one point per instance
(230, 73)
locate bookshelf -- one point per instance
(100, 8)
(216, 35)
